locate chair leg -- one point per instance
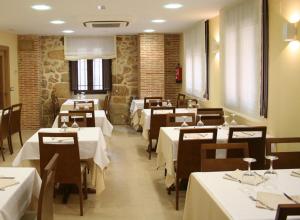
(20, 135)
(177, 192)
(85, 184)
(150, 148)
(80, 198)
(1, 149)
(9, 142)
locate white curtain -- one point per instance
(195, 60)
(240, 44)
(77, 48)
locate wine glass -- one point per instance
(225, 124)
(249, 177)
(271, 170)
(64, 126)
(169, 103)
(249, 160)
(200, 122)
(270, 175)
(184, 124)
(157, 103)
(190, 104)
(75, 125)
(233, 121)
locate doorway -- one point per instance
(4, 77)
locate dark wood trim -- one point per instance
(206, 95)
(90, 75)
(6, 77)
(265, 60)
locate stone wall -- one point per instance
(125, 78)
(55, 75)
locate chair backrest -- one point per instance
(285, 210)
(55, 105)
(176, 120)
(84, 105)
(159, 119)
(209, 111)
(106, 104)
(15, 118)
(66, 145)
(287, 160)
(4, 122)
(155, 103)
(69, 118)
(256, 139)
(211, 119)
(180, 98)
(89, 115)
(147, 99)
(189, 149)
(223, 164)
(45, 203)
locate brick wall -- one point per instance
(151, 64)
(29, 58)
(172, 58)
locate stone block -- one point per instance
(62, 90)
(119, 90)
(65, 77)
(56, 54)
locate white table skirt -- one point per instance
(14, 200)
(210, 197)
(69, 104)
(100, 121)
(136, 104)
(146, 118)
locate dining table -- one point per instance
(69, 104)
(146, 118)
(92, 147)
(167, 146)
(210, 196)
(101, 121)
(18, 191)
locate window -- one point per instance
(241, 43)
(91, 76)
(195, 61)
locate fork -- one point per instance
(262, 203)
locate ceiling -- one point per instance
(17, 16)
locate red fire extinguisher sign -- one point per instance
(178, 74)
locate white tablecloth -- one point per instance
(69, 104)
(14, 200)
(210, 197)
(146, 118)
(100, 120)
(136, 104)
(92, 146)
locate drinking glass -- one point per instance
(169, 103)
(248, 176)
(75, 125)
(157, 103)
(200, 122)
(184, 124)
(64, 126)
(271, 171)
(225, 124)
(190, 104)
(233, 121)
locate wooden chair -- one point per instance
(89, 115)
(209, 111)
(256, 143)
(84, 105)
(69, 169)
(285, 210)
(287, 160)
(106, 106)
(158, 119)
(147, 99)
(173, 119)
(55, 105)
(45, 202)
(180, 99)
(213, 120)
(223, 164)
(189, 152)
(15, 122)
(4, 130)
(69, 118)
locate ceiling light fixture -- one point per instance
(57, 22)
(101, 7)
(173, 6)
(68, 31)
(41, 7)
(158, 21)
(149, 30)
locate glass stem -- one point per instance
(249, 168)
(271, 166)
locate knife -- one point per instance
(290, 198)
(7, 177)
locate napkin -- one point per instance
(238, 176)
(192, 136)
(57, 140)
(295, 173)
(272, 200)
(4, 183)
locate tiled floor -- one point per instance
(134, 187)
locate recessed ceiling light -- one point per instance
(41, 7)
(101, 7)
(68, 31)
(173, 6)
(57, 22)
(149, 30)
(158, 21)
